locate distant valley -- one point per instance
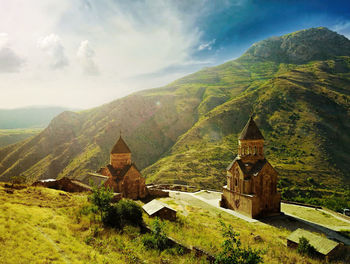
(28, 117)
(21, 123)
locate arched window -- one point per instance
(254, 150)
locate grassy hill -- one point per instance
(297, 85)
(39, 225)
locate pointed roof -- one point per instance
(251, 131)
(254, 170)
(120, 147)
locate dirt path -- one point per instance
(335, 215)
(52, 243)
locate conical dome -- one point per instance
(251, 131)
(120, 147)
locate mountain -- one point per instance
(28, 117)
(297, 86)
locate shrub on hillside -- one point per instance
(305, 248)
(232, 251)
(115, 215)
(101, 197)
(125, 212)
(157, 239)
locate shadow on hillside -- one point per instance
(288, 222)
(291, 223)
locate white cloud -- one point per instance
(207, 45)
(342, 28)
(154, 39)
(9, 60)
(85, 56)
(53, 47)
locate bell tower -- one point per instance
(120, 154)
(251, 142)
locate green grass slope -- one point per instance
(40, 225)
(303, 113)
(298, 86)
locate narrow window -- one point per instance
(255, 150)
(236, 182)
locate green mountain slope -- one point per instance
(304, 117)
(297, 85)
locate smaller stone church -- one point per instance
(122, 174)
(251, 180)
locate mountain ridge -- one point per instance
(186, 131)
(28, 117)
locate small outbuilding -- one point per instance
(63, 184)
(325, 248)
(156, 208)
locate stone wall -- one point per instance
(133, 185)
(119, 160)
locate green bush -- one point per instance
(125, 212)
(304, 247)
(157, 239)
(232, 251)
(101, 197)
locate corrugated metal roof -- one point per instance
(322, 244)
(154, 206)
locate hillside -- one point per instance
(57, 228)
(28, 117)
(297, 85)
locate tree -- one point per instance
(232, 251)
(101, 197)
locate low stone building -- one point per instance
(251, 180)
(121, 175)
(63, 184)
(325, 248)
(156, 208)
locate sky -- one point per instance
(84, 53)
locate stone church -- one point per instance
(251, 180)
(123, 175)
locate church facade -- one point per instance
(123, 175)
(251, 180)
